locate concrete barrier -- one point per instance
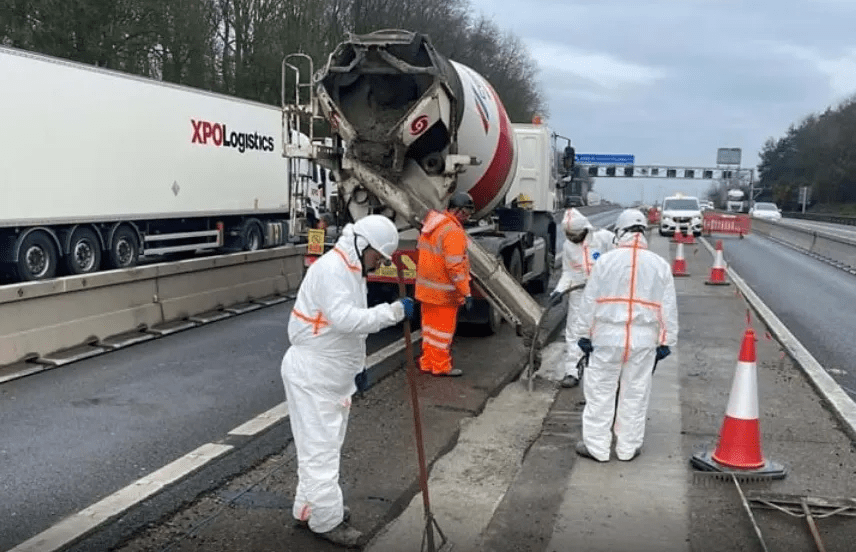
(39, 318)
(837, 249)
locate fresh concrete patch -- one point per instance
(467, 484)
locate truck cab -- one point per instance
(680, 212)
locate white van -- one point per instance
(680, 211)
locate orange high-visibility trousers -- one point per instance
(438, 329)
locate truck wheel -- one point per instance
(494, 320)
(251, 236)
(515, 265)
(84, 252)
(542, 283)
(124, 249)
(37, 257)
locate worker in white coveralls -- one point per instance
(627, 321)
(583, 246)
(323, 366)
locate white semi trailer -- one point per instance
(100, 167)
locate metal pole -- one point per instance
(428, 536)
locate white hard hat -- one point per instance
(380, 232)
(628, 219)
(574, 221)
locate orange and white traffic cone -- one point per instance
(717, 271)
(679, 265)
(740, 437)
(677, 236)
(690, 237)
(739, 446)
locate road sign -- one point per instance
(606, 159)
(728, 156)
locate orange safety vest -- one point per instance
(443, 270)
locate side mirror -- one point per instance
(569, 158)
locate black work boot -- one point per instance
(570, 381)
(343, 535)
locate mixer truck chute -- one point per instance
(410, 128)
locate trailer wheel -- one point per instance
(124, 249)
(84, 252)
(37, 257)
(251, 236)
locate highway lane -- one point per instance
(73, 435)
(813, 299)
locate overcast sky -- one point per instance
(671, 81)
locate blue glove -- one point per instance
(361, 380)
(409, 307)
(468, 303)
(585, 345)
(663, 351)
(555, 298)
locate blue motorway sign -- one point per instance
(605, 159)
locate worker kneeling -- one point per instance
(627, 320)
(584, 245)
(327, 331)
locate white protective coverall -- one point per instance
(628, 309)
(578, 259)
(327, 331)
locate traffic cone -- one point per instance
(677, 237)
(738, 451)
(679, 265)
(717, 271)
(740, 437)
(690, 238)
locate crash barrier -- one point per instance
(92, 313)
(818, 217)
(836, 249)
(724, 223)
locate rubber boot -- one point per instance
(343, 535)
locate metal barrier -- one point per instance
(722, 223)
(837, 219)
(839, 250)
(38, 319)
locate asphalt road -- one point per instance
(814, 299)
(73, 435)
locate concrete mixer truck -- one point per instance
(409, 128)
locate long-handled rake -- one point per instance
(809, 507)
(428, 544)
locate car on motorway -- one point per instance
(706, 205)
(680, 212)
(765, 210)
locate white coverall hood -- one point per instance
(578, 260)
(575, 222)
(628, 308)
(327, 331)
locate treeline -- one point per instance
(237, 46)
(819, 153)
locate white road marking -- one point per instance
(87, 520)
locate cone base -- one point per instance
(703, 461)
(712, 283)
